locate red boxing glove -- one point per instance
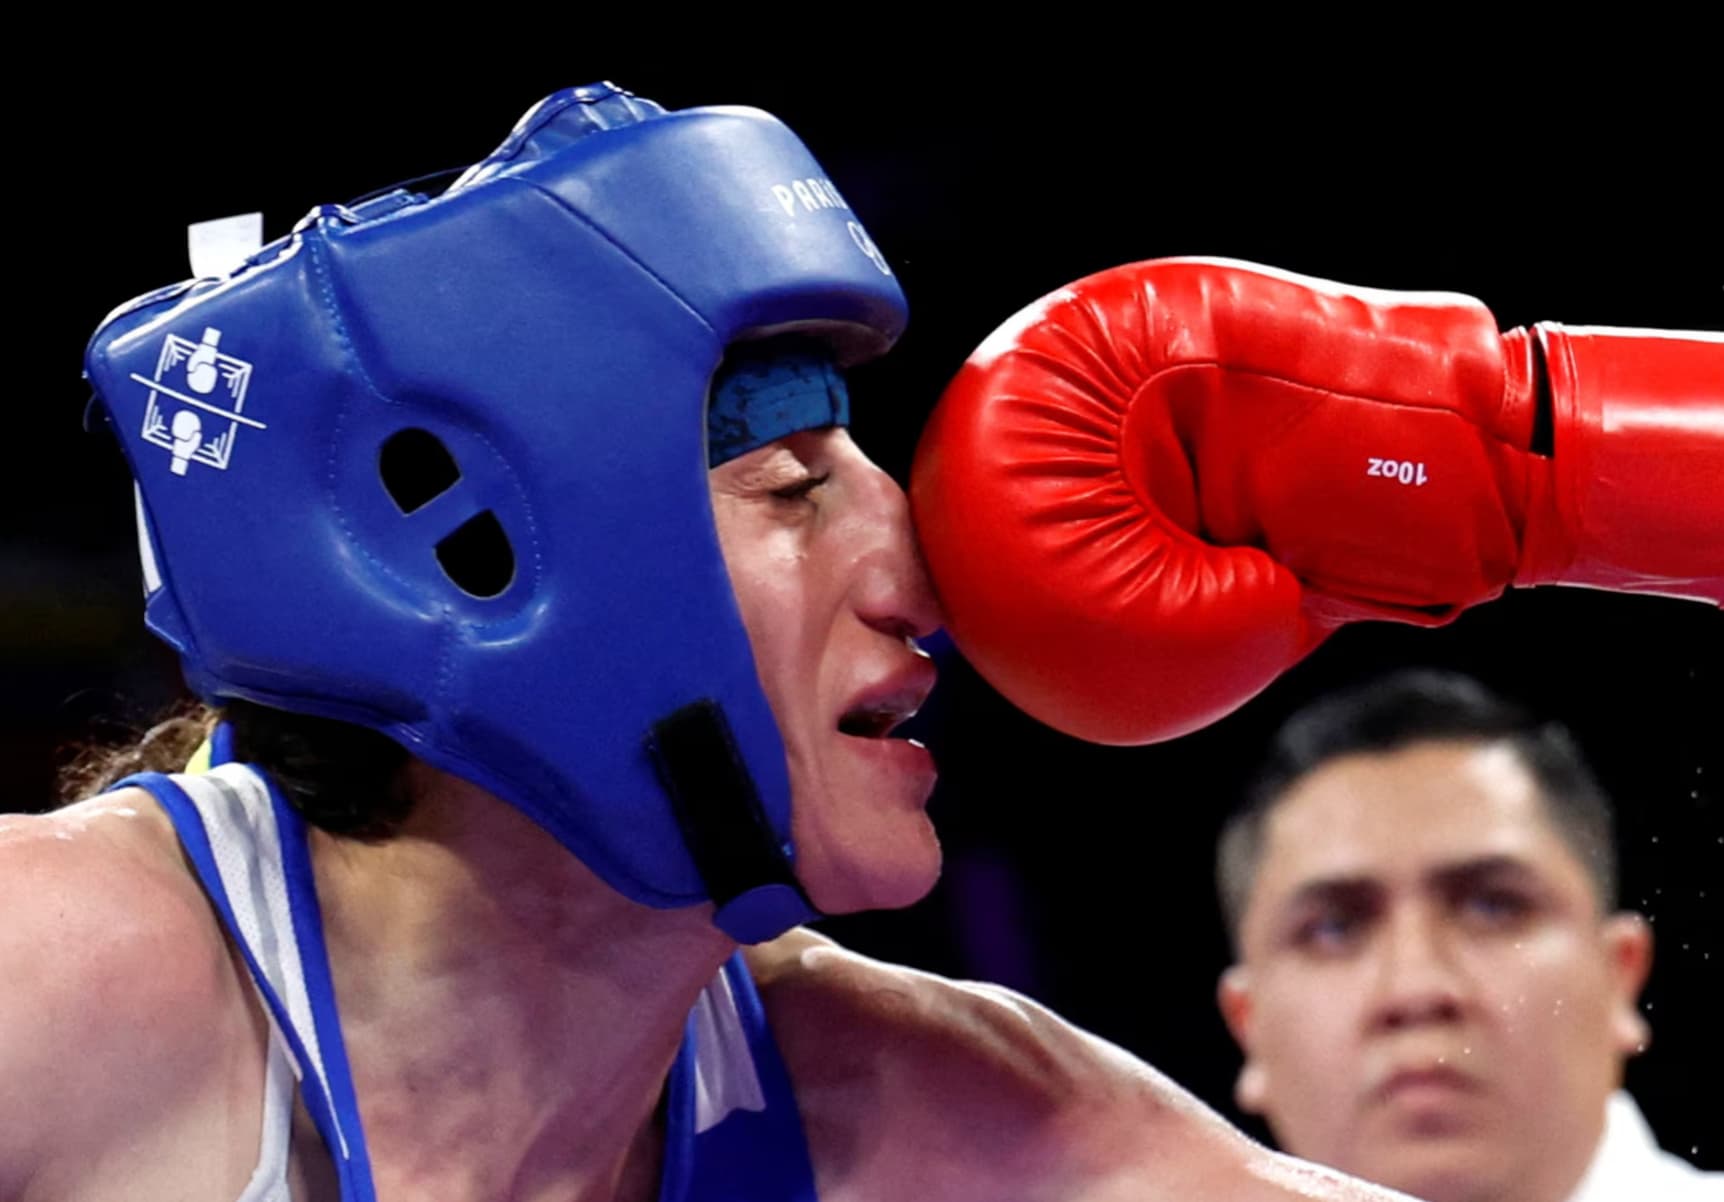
(1154, 490)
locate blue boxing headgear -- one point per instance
(438, 467)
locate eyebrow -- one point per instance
(1483, 870)
(1357, 888)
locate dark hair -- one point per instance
(341, 778)
(1409, 707)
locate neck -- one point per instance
(509, 1018)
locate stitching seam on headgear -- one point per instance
(326, 288)
(624, 251)
(314, 241)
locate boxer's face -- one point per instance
(832, 589)
(1428, 995)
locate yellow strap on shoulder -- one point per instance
(200, 761)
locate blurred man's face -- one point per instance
(1428, 995)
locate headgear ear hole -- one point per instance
(477, 556)
(416, 468)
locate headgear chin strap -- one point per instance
(438, 467)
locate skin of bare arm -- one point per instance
(913, 1085)
(126, 1030)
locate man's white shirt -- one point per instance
(1629, 1166)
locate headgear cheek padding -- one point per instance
(438, 467)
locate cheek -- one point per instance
(772, 617)
(1550, 989)
(772, 597)
(763, 570)
(1307, 1031)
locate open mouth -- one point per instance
(867, 723)
(876, 712)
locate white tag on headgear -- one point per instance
(217, 247)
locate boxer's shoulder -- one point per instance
(817, 991)
(120, 999)
(916, 1083)
(101, 887)
(105, 876)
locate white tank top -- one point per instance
(732, 1117)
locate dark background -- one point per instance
(1079, 874)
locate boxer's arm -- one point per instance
(911, 1085)
(110, 978)
(1629, 498)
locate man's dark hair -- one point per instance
(1396, 711)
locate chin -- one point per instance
(850, 883)
(1439, 1175)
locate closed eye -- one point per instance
(802, 487)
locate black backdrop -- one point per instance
(1077, 873)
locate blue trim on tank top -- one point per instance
(194, 837)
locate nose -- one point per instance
(891, 591)
(1421, 978)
